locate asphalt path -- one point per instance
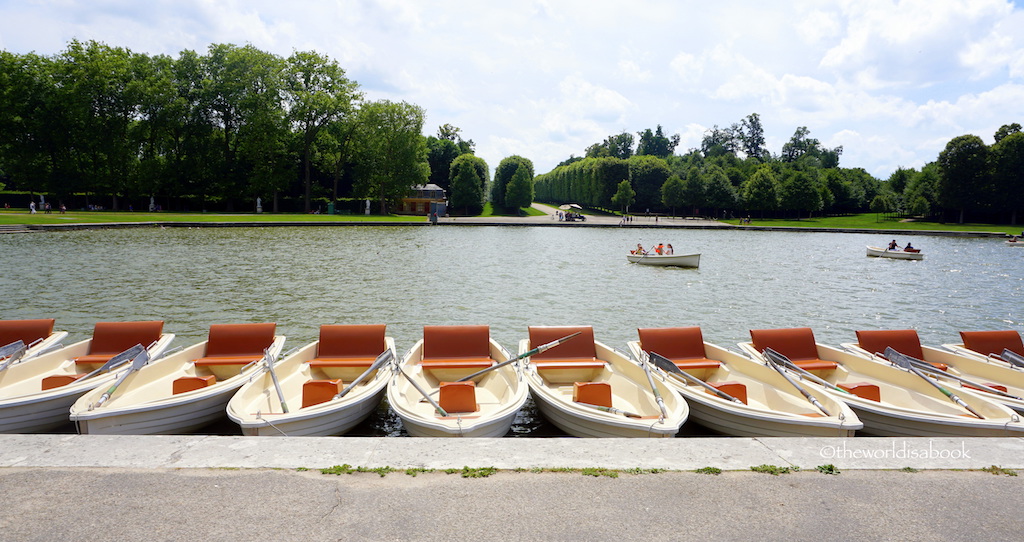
(262, 504)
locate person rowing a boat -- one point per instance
(639, 249)
(893, 245)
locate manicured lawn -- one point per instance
(490, 210)
(872, 221)
(23, 217)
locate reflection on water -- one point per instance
(508, 278)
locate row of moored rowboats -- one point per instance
(458, 381)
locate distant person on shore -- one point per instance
(31, 207)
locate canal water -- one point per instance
(508, 278)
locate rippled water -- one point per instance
(508, 278)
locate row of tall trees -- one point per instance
(731, 171)
(208, 130)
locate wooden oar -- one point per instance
(899, 359)
(425, 395)
(383, 358)
(932, 370)
(1013, 358)
(666, 365)
(526, 354)
(117, 360)
(273, 377)
(137, 364)
(788, 363)
(771, 362)
(654, 389)
(13, 352)
(610, 410)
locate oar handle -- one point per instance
(807, 395)
(383, 358)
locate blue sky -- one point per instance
(892, 82)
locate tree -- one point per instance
(672, 193)
(317, 93)
(718, 142)
(963, 173)
(761, 192)
(1007, 129)
(1008, 173)
(615, 146)
(467, 185)
(719, 193)
(454, 134)
(519, 193)
(800, 193)
(899, 179)
(440, 154)
(695, 190)
(392, 155)
(647, 174)
(504, 173)
(656, 143)
(624, 196)
(752, 136)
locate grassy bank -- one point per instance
(93, 217)
(872, 221)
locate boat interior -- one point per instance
(108, 340)
(988, 343)
(344, 352)
(229, 348)
(26, 331)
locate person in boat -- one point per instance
(660, 249)
(909, 248)
(639, 249)
(669, 250)
(893, 245)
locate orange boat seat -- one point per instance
(349, 346)
(191, 383)
(579, 352)
(315, 392)
(236, 344)
(592, 393)
(736, 389)
(904, 341)
(864, 390)
(684, 346)
(112, 338)
(458, 397)
(989, 342)
(456, 347)
(57, 381)
(795, 343)
(26, 331)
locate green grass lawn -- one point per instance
(23, 217)
(872, 221)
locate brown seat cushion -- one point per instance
(989, 342)
(26, 331)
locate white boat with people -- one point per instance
(35, 394)
(896, 252)
(587, 389)
(331, 385)
(662, 255)
(457, 381)
(734, 395)
(183, 391)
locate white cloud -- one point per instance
(890, 81)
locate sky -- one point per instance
(890, 81)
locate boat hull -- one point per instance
(256, 408)
(25, 411)
(909, 406)
(145, 405)
(877, 252)
(500, 393)
(630, 392)
(774, 408)
(673, 260)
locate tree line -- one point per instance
(104, 125)
(733, 172)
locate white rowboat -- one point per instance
(587, 389)
(673, 260)
(770, 407)
(184, 391)
(310, 380)
(35, 394)
(879, 252)
(485, 406)
(889, 401)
